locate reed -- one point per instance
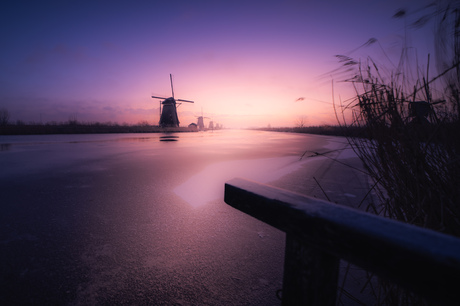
(411, 140)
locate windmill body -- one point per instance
(168, 113)
(200, 123)
(168, 117)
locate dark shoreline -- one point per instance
(328, 130)
(45, 129)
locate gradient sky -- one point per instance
(244, 63)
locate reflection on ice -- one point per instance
(208, 185)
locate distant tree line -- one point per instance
(330, 130)
(4, 116)
(73, 126)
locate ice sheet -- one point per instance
(208, 185)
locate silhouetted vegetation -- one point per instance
(413, 143)
(4, 116)
(412, 147)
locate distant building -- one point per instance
(193, 126)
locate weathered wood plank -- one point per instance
(424, 261)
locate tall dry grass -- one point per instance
(411, 141)
(411, 145)
(411, 150)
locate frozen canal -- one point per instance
(130, 219)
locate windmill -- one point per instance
(168, 115)
(200, 122)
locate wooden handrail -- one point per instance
(319, 233)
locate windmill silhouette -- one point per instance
(168, 115)
(200, 122)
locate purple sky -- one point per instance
(244, 63)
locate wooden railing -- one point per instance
(319, 234)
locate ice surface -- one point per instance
(208, 185)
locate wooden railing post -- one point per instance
(310, 275)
